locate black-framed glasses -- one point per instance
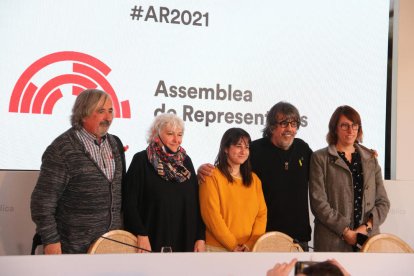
(345, 126)
(284, 124)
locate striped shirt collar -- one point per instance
(90, 137)
(100, 153)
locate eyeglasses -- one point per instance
(345, 126)
(284, 124)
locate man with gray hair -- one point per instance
(77, 197)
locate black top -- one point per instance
(355, 166)
(168, 212)
(284, 175)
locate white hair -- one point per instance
(160, 122)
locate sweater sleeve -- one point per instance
(259, 227)
(134, 185)
(210, 212)
(50, 185)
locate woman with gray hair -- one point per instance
(161, 203)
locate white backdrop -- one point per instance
(315, 54)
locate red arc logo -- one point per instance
(88, 72)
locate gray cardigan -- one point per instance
(332, 194)
(73, 201)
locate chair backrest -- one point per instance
(276, 242)
(386, 243)
(115, 241)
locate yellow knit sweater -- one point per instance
(233, 213)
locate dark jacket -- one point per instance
(167, 212)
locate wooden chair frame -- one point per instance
(386, 243)
(115, 241)
(276, 242)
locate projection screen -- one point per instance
(216, 64)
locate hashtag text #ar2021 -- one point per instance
(169, 16)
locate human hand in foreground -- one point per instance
(323, 268)
(282, 269)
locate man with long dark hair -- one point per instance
(282, 163)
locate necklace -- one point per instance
(285, 156)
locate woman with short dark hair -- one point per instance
(347, 193)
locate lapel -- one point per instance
(367, 165)
(336, 159)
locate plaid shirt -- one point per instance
(101, 153)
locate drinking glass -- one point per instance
(166, 249)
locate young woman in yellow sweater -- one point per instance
(231, 199)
